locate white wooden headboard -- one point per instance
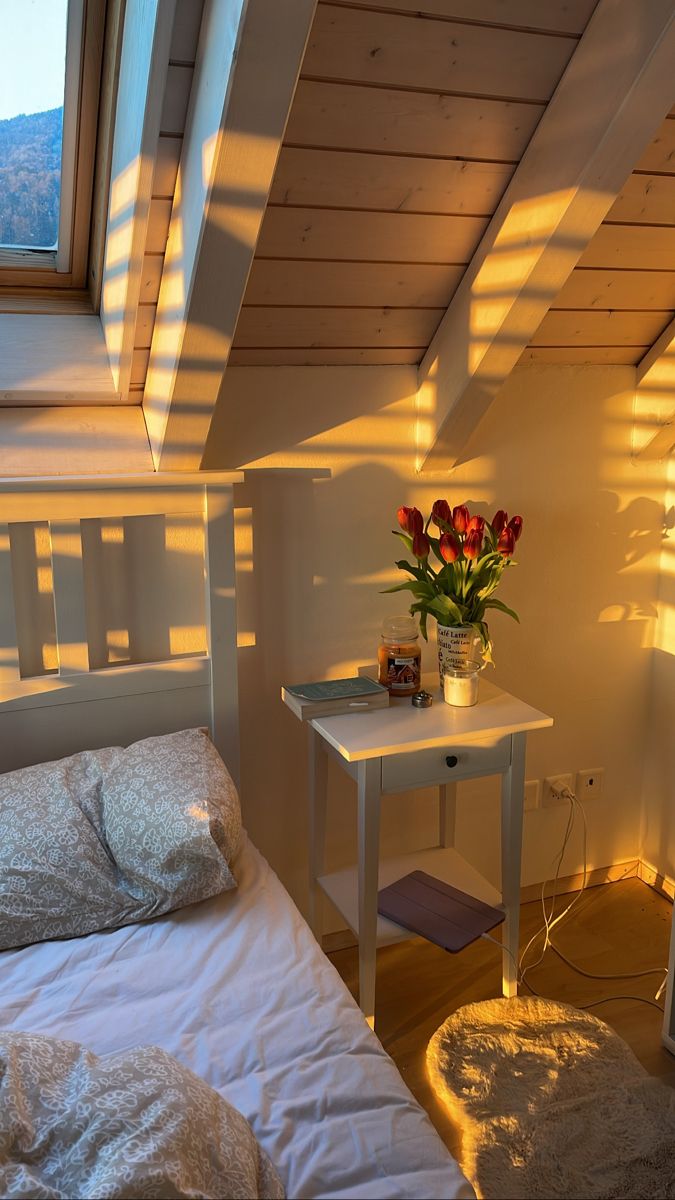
(75, 707)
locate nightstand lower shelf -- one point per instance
(341, 887)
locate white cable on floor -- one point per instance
(605, 999)
(550, 922)
(618, 975)
(608, 1000)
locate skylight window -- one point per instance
(33, 84)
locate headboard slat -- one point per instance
(9, 652)
(71, 619)
(49, 715)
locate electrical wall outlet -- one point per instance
(532, 794)
(589, 783)
(549, 800)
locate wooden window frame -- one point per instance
(66, 267)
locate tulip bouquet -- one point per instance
(473, 555)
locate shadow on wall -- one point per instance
(302, 614)
(271, 416)
(555, 447)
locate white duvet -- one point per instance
(237, 989)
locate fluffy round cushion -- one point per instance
(552, 1103)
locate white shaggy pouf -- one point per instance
(552, 1103)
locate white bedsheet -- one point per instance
(237, 989)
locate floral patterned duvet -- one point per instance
(132, 1124)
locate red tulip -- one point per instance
(516, 527)
(410, 520)
(507, 542)
(421, 545)
(441, 512)
(476, 523)
(460, 518)
(449, 547)
(473, 543)
(499, 520)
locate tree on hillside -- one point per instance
(30, 179)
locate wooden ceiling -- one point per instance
(622, 294)
(409, 119)
(403, 135)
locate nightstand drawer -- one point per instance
(401, 772)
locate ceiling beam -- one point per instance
(655, 378)
(247, 68)
(613, 95)
(144, 62)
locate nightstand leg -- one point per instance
(317, 828)
(369, 782)
(447, 811)
(513, 785)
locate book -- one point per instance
(334, 697)
(437, 911)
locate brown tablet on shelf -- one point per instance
(435, 910)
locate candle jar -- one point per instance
(399, 656)
(460, 684)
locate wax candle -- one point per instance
(460, 685)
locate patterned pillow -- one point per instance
(108, 837)
(172, 820)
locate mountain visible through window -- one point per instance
(32, 79)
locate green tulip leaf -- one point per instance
(498, 604)
(416, 586)
(404, 538)
(406, 566)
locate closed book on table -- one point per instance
(334, 697)
(437, 911)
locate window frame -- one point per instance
(66, 267)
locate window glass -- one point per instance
(32, 79)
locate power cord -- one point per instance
(550, 922)
(604, 1000)
(495, 942)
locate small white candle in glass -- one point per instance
(460, 684)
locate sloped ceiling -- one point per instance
(409, 120)
(403, 135)
(622, 294)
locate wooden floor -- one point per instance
(616, 927)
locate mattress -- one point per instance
(238, 990)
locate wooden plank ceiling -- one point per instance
(408, 122)
(622, 294)
(409, 119)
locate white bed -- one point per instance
(235, 987)
(238, 990)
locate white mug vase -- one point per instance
(455, 646)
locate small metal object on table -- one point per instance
(398, 749)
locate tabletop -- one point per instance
(402, 729)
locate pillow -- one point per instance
(108, 837)
(172, 820)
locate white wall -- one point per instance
(316, 552)
(658, 830)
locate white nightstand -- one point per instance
(398, 749)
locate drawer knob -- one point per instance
(451, 760)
